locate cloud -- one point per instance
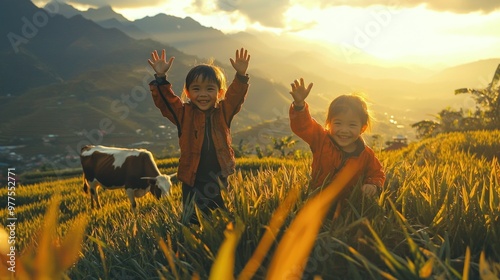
(266, 12)
(465, 6)
(270, 13)
(456, 6)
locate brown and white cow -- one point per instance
(114, 168)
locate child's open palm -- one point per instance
(160, 64)
(300, 92)
(240, 63)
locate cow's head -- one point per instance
(160, 185)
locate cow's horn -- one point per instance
(173, 175)
(148, 178)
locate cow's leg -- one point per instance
(94, 198)
(131, 196)
(86, 189)
(85, 185)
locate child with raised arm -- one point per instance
(203, 124)
(338, 142)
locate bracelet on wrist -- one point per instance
(298, 107)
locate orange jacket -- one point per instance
(191, 122)
(328, 158)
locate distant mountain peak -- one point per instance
(104, 13)
(61, 8)
(106, 8)
(95, 14)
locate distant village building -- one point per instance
(398, 142)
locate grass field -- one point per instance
(438, 218)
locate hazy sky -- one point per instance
(442, 31)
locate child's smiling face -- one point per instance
(203, 93)
(345, 129)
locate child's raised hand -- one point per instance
(160, 64)
(300, 92)
(240, 63)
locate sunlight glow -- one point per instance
(233, 22)
(394, 33)
(390, 33)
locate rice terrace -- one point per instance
(437, 218)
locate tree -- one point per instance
(426, 128)
(447, 120)
(282, 144)
(241, 150)
(488, 102)
(266, 152)
(450, 120)
(486, 116)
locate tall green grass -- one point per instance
(436, 219)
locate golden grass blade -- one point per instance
(167, 251)
(426, 270)
(223, 267)
(294, 249)
(465, 198)
(51, 258)
(69, 251)
(367, 263)
(465, 275)
(45, 259)
(492, 201)
(494, 178)
(411, 265)
(269, 236)
(102, 256)
(386, 255)
(485, 270)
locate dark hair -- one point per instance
(343, 104)
(208, 72)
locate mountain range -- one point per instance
(70, 77)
